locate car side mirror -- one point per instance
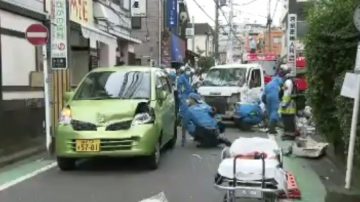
(68, 95)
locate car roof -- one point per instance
(235, 65)
(126, 69)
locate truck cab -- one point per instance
(224, 86)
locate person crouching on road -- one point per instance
(288, 106)
(201, 123)
(271, 98)
(184, 90)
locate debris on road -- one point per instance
(307, 147)
(157, 198)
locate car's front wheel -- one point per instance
(66, 164)
(153, 161)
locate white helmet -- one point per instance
(182, 68)
(284, 67)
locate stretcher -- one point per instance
(252, 168)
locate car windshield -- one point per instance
(115, 85)
(226, 77)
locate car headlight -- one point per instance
(65, 117)
(142, 118)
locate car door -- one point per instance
(169, 109)
(255, 82)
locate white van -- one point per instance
(224, 84)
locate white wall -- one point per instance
(200, 43)
(79, 66)
(18, 55)
(15, 22)
(18, 60)
(34, 5)
(107, 55)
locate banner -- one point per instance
(292, 33)
(59, 45)
(172, 13)
(81, 11)
(177, 49)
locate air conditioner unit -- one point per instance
(189, 32)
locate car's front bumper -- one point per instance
(137, 141)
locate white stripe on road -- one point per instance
(36, 34)
(27, 176)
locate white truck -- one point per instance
(226, 85)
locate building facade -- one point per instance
(160, 40)
(297, 7)
(203, 42)
(21, 89)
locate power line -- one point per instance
(202, 9)
(198, 5)
(227, 21)
(245, 4)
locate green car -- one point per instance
(117, 112)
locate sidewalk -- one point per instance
(320, 180)
(14, 151)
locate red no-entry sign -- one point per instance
(37, 34)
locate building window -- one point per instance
(136, 23)
(117, 2)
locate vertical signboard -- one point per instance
(292, 33)
(172, 13)
(59, 43)
(177, 49)
(138, 8)
(81, 11)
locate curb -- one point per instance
(18, 156)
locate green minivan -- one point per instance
(117, 112)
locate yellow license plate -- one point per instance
(87, 145)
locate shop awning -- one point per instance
(177, 49)
(106, 16)
(98, 35)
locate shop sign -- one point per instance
(138, 8)
(81, 11)
(172, 8)
(292, 32)
(59, 45)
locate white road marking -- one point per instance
(27, 176)
(36, 34)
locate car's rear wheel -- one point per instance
(66, 164)
(153, 161)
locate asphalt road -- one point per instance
(185, 175)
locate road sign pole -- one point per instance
(354, 120)
(47, 98)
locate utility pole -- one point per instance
(269, 21)
(193, 38)
(230, 40)
(160, 31)
(216, 34)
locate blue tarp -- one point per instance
(249, 113)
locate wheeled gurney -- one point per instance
(251, 168)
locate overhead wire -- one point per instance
(227, 21)
(202, 9)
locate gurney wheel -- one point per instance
(232, 197)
